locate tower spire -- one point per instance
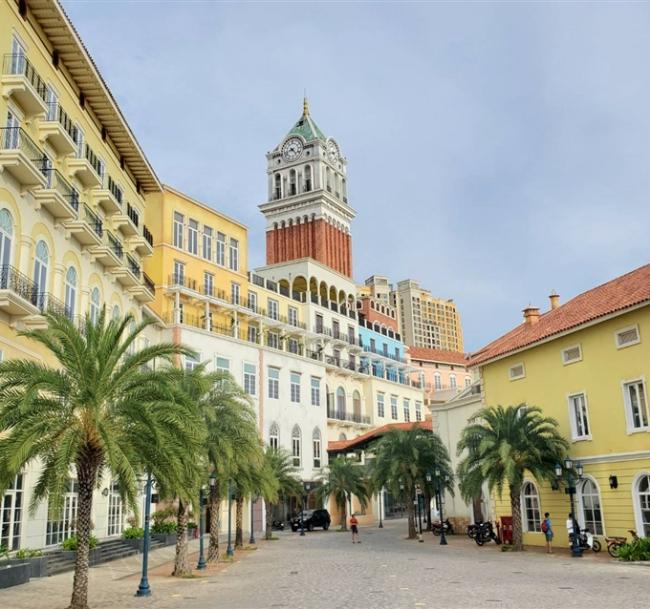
(305, 105)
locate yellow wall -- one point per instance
(599, 375)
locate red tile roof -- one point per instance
(438, 355)
(614, 296)
(338, 446)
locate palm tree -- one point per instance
(98, 409)
(280, 465)
(343, 479)
(504, 443)
(402, 460)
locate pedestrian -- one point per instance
(570, 523)
(354, 527)
(547, 529)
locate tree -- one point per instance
(343, 479)
(402, 460)
(97, 409)
(280, 465)
(504, 443)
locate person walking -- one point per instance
(354, 527)
(547, 529)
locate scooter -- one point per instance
(485, 533)
(587, 541)
(276, 525)
(437, 527)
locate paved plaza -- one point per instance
(324, 570)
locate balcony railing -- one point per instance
(257, 280)
(18, 64)
(12, 279)
(16, 138)
(115, 190)
(133, 265)
(148, 282)
(133, 215)
(93, 159)
(57, 182)
(384, 353)
(181, 281)
(57, 113)
(91, 218)
(115, 244)
(343, 415)
(146, 233)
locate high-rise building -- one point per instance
(424, 320)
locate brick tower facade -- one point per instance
(307, 212)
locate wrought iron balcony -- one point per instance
(58, 197)
(22, 158)
(58, 129)
(22, 82)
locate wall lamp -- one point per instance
(613, 481)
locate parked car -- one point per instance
(312, 519)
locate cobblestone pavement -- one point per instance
(324, 570)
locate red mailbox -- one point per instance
(506, 529)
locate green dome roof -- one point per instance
(306, 127)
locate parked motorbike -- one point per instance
(277, 525)
(587, 541)
(437, 527)
(614, 544)
(484, 533)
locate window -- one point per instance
(319, 323)
(407, 410)
(571, 355)
(273, 340)
(221, 249)
(64, 524)
(115, 511)
(234, 254)
(11, 514)
(380, 405)
(274, 383)
(307, 178)
(179, 273)
(207, 243)
(636, 407)
(578, 416)
(6, 234)
(293, 346)
(41, 263)
(336, 329)
(532, 512)
(208, 284)
(250, 379)
(296, 446)
(315, 391)
(393, 407)
(437, 383)
(94, 305)
(234, 292)
(315, 440)
(517, 372)
(589, 498)
(274, 436)
(252, 335)
(418, 411)
(115, 313)
(293, 316)
(642, 500)
(468, 381)
(191, 362)
(222, 364)
(626, 337)
(252, 301)
(295, 387)
(178, 230)
(292, 183)
(272, 308)
(341, 406)
(70, 291)
(452, 381)
(193, 237)
(278, 187)
(356, 406)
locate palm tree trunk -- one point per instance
(515, 506)
(427, 507)
(86, 478)
(344, 515)
(181, 562)
(410, 510)
(215, 524)
(269, 521)
(239, 522)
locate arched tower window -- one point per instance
(6, 235)
(94, 305)
(328, 179)
(296, 446)
(70, 291)
(274, 436)
(277, 189)
(292, 183)
(308, 178)
(41, 264)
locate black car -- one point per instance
(312, 519)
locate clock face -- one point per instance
(332, 151)
(292, 149)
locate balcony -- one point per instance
(21, 157)
(18, 293)
(59, 130)
(143, 243)
(87, 168)
(144, 291)
(58, 197)
(127, 222)
(110, 253)
(87, 227)
(109, 197)
(129, 274)
(337, 414)
(21, 82)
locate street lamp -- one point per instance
(252, 537)
(568, 473)
(381, 506)
(229, 550)
(307, 486)
(438, 488)
(143, 588)
(201, 564)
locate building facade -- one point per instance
(586, 364)
(444, 373)
(426, 321)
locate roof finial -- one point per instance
(305, 105)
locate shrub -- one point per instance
(163, 515)
(4, 551)
(70, 544)
(27, 553)
(133, 533)
(163, 528)
(639, 549)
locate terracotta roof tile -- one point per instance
(438, 355)
(338, 446)
(616, 295)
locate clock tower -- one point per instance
(307, 212)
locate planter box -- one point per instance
(93, 556)
(14, 575)
(168, 540)
(37, 564)
(138, 544)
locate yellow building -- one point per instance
(586, 364)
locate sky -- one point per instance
(496, 151)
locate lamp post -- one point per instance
(438, 489)
(251, 540)
(229, 550)
(143, 588)
(419, 512)
(567, 472)
(201, 564)
(381, 507)
(306, 487)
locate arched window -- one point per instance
(342, 436)
(328, 179)
(70, 291)
(274, 436)
(452, 381)
(356, 406)
(315, 440)
(589, 498)
(437, 383)
(94, 305)
(41, 263)
(296, 446)
(642, 500)
(115, 313)
(307, 178)
(340, 403)
(292, 182)
(277, 191)
(6, 235)
(530, 503)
